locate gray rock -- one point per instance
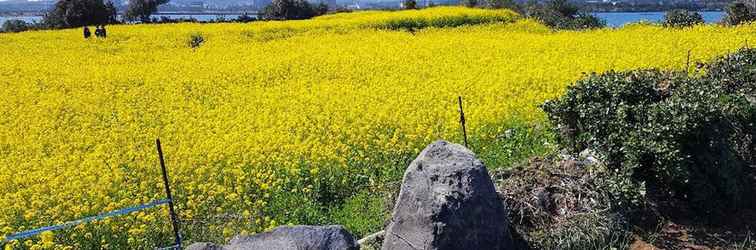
(447, 201)
(291, 238)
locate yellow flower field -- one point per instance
(311, 109)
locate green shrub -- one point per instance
(470, 3)
(736, 73)
(682, 18)
(15, 26)
(409, 4)
(289, 10)
(503, 4)
(141, 10)
(690, 137)
(738, 13)
(77, 13)
(196, 40)
(560, 14)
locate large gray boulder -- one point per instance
(290, 238)
(448, 201)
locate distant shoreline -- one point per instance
(251, 12)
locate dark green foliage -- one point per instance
(736, 73)
(690, 137)
(321, 9)
(421, 23)
(196, 40)
(682, 18)
(738, 13)
(15, 26)
(504, 4)
(560, 14)
(77, 13)
(245, 18)
(409, 4)
(141, 10)
(470, 3)
(585, 20)
(288, 10)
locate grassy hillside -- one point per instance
(281, 122)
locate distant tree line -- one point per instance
(736, 13)
(558, 14)
(78, 13)
(293, 10)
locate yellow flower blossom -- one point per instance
(265, 106)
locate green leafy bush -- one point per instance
(736, 73)
(690, 137)
(738, 13)
(682, 18)
(196, 40)
(560, 14)
(15, 26)
(77, 13)
(289, 10)
(409, 4)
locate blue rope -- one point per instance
(30, 233)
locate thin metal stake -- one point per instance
(687, 62)
(462, 120)
(174, 220)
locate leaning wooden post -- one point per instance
(687, 63)
(174, 219)
(462, 120)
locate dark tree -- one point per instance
(321, 9)
(77, 13)
(15, 26)
(682, 18)
(560, 14)
(288, 10)
(563, 7)
(738, 13)
(141, 10)
(504, 4)
(470, 3)
(409, 4)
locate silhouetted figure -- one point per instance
(104, 33)
(87, 33)
(100, 31)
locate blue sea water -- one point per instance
(618, 19)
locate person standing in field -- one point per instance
(87, 33)
(98, 31)
(104, 33)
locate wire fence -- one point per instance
(120, 212)
(162, 202)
